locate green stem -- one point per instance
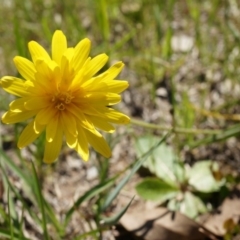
(9, 214)
(176, 129)
(41, 203)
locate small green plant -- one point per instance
(175, 182)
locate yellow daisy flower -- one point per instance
(64, 97)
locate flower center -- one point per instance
(61, 99)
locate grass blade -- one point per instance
(89, 194)
(6, 234)
(41, 203)
(18, 195)
(50, 213)
(8, 161)
(113, 220)
(136, 166)
(230, 132)
(9, 215)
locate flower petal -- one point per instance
(25, 67)
(52, 149)
(42, 86)
(99, 144)
(113, 71)
(115, 86)
(43, 68)
(47, 74)
(51, 129)
(71, 140)
(95, 65)
(14, 117)
(69, 53)
(28, 135)
(37, 126)
(81, 52)
(38, 88)
(67, 73)
(83, 121)
(105, 77)
(59, 46)
(114, 116)
(101, 123)
(82, 144)
(99, 98)
(36, 103)
(78, 79)
(99, 85)
(45, 115)
(14, 86)
(18, 104)
(90, 110)
(69, 122)
(37, 52)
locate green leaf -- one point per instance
(156, 190)
(179, 172)
(161, 162)
(174, 204)
(202, 179)
(113, 220)
(191, 205)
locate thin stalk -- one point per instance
(41, 202)
(176, 129)
(103, 19)
(21, 236)
(9, 214)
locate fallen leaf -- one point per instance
(162, 224)
(230, 209)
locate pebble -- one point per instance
(92, 173)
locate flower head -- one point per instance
(63, 96)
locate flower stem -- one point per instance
(176, 129)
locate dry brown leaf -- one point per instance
(230, 209)
(161, 224)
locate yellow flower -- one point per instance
(64, 97)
